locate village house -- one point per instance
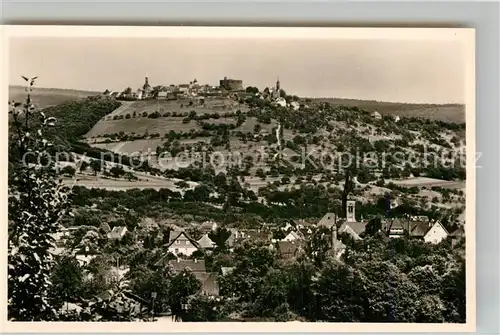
(257, 235)
(394, 228)
(233, 238)
(418, 229)
(295, 105)
(288, 249)
(287, 227)
(376, 115)
(105, 228)
(436, 233)
(162, 95)
(148, 224)
(208, 225)
(328, 221)
(84, 259)
(182, 244)
(292, 236)
(353, 229)
(117, 233)
(206, 243)
(226, 270)
(208, 280)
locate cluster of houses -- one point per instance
(183, 252)
(172, 92)
(227, 87)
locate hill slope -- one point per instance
(45, 97)
(448, 113)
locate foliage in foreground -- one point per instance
(37, 202)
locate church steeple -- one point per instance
(277, 89)
(146, 82)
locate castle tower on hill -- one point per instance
(146, 88)
(277, 89)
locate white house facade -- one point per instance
(436, 234)
(182, 245)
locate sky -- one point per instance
(418, 71)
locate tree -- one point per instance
(117, 171)
(182, 184)
(182, 285)
(339, 294)
(205, 309)
(95, 165)
(68, 171)
(373, 226)
(260, 173)
(219, 237)
(127, 91)
(83, 166)
(67, 280)
(144, 281)
(36, 204)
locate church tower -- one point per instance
(146, 88)
(351, 211)
(277, 90)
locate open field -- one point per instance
(448, 113)
(162, 125)
(45, 97)
(144, 182)
(178, 106)
(428, 182)
(140, 125)
(131, 147)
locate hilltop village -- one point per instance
(272, 237)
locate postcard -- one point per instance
(229, 179)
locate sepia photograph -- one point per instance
(169, 176)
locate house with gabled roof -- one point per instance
(436, 233)
(208, 280)
(255, 235)
(418, 229)
(292, 236)
(208, 225)
(117, 233)
(288, 249)
(206, 243)
(395, 228)
(355, 229)
(193, 265)
(328, 220)
(105, 227)
(182, 244)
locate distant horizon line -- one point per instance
(304, 97)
